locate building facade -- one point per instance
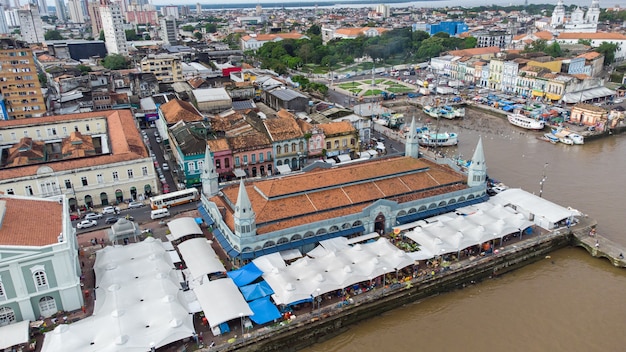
(166, 67)
(39, 265)
(31, 27)
(113, 27)
(169, 30)
(94, 159)
(19, 83)
(76, 11)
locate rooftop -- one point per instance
(18, 226)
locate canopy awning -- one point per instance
(256, 291)
(589, 94)
(221, 301)
(362, 238)
(283, 169)
(264, 311)
(182, 227)
(239, 172)
(291, 254)
(344, 157)
(245, 275)
(14, 334)
(200, 257)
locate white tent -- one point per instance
(139, 304)
(530, 203)
(200, 257)
(221, 301)
(182, 227)
(14, 334)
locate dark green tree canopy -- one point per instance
(53, 35)
(115, 62)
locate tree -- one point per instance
(554, 50)
(198, 35)
(188, 28)
(131, 35)
(115, 62)
(586, 42)
(43, 79)
(470, 42)
(83, 69)
(314, 30)
(101, 37)
(608, 50)
(211, 27)
(53, 35)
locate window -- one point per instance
(237, 161)
(328, 145)
(99, 178)
(191, 166)
(260, 157)
(293, 147)
(7, 316)
(344, 141)
(279, 150)
(28, 190)
(218, 163)
(253, 158)
(64, 131)
(245, 160)
(3, 293)
(68, 184)
(301, 146)
(83, 180)
(144, 170)
(227, 163)
(39, 277)
(52, 132)
(10, 191)
(116, 176)
(336, 144)
(87, 128)
(26, 133)
(286, 146)
(38, 133)
(13, 136)
(269, 155)
(200, 164)
(47, 306)
(130, 173)
(352, 141)
(75, 128)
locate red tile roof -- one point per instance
(21, 227)
(289, 201)
(176, 110)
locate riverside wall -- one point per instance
(332, 321)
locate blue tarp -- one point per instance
(264, 311)
(199, 221)
(256, 291)
(245, 275)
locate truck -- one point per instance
(388, 96)
(424, 91)
(445, 90)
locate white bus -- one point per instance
(175, 198)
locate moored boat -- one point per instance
(574, 137)
(526, 122)
(566, 140)
(431, 139)
(551, 138)
(430, 111)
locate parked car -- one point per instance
(156, 134)
(110, 210)
(134, 205)
(74, 217)
(166, 167)
(158, 139)
(111, 220)
(86, 224)
(93, 216)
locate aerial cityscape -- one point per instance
(277, 176)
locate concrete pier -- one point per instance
(600, 247)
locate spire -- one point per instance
(477, 174)
(243, 208)
(209, 177)
(412, 141)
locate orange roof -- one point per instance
(177, 110)
(218, 145)
(591, 36)
(335, 128)
(475, 51)
(283, 127)
(21, 227)
(125, 141)
(281, 203)
(590, 55)
(545, 35)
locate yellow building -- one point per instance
(166, 68)
(95, 159)
(19, 83)
(340, 137)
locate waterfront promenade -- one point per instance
(601, 247)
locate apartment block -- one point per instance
(166, 68)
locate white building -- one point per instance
(60, 11)
(4, 26)
(169, 30)
(579, 21)
(113, 26)
(94, 159)
(171, 10)
(30, 24)
(596, 40)
(43, 7)
(39, 266)
(76, 11)
(12, 17)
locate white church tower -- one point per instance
(412, 141)
(245, 219)
(477, 174)
(593, 13)
(558, 15)
(209, 177)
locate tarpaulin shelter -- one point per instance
(264, 311)
(256, 291)
(245, 275)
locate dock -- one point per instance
(600, 247)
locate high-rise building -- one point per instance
(31, 26)
(113, 26)
(198, 9)
(42, 6)
(76, 11)
(94, 15)
(12, 17)
(4, 27)
(169, 30)
(19, 84)
(61, 11)
(170, 10)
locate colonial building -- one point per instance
(39, 266)
(589, 115)
(287, 141)
(95, 159)
(255, 41)
(297, 211)
(341, 138)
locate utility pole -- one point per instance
(543, 180)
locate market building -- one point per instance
(297, 211)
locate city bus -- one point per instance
(175, 198)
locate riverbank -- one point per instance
(322, 324)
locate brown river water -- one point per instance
(568, 302)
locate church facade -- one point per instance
(578, 21)
(297, 211)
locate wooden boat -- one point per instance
(526, 122)
(430, 111)
(551, 138)
(563, 132)
(566, 140)
(431, 139)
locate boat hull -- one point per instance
(525, 122)
(439, 140)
